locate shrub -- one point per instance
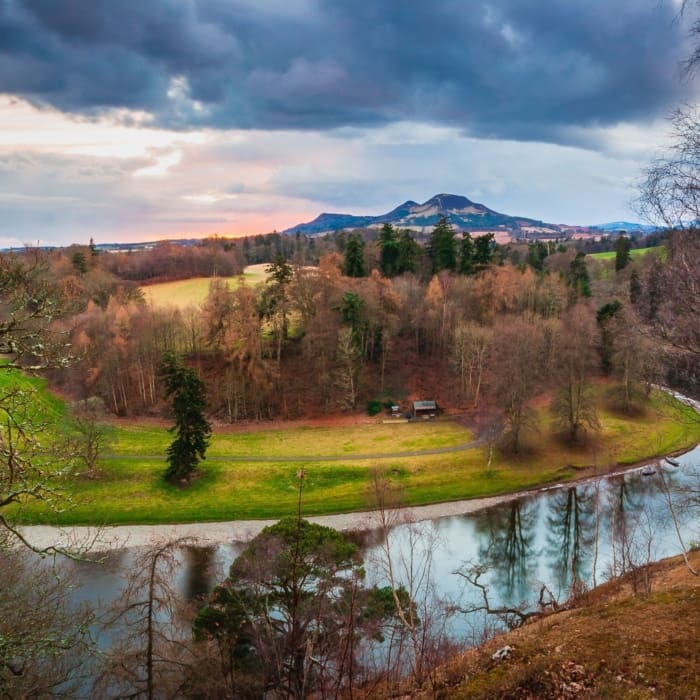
(373, 407)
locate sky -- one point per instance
(149, 119)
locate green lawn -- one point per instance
(130, 487)
(193, 291)
(634, 253)
(372, 438)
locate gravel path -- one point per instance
(116, 537)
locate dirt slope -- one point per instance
(614, 644)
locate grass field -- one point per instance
(634, 253)
(130, 489)
(192, 292)
(375, 438)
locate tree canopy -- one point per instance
(289, 614)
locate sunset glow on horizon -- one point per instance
(142, 122)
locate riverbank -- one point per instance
(594, 648)
(240, 531)
(104, 539)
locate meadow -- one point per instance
(193, 291)
(254, 474)
(634, 253)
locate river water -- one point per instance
(572, 536)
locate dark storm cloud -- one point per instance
(523, 69)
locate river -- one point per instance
(572, 536)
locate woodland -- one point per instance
(348, 320)
(347, 323)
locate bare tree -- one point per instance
(45, 644)
(575, 358)
(33, 463)
(672, 292)
(149, 657)
(420, 638)
(670, 191)
(632, 531)
(512, 616)
(516, 370)
(28, 305)
(634, 360)
(43, 638)
(470, 348)
(90, 434)
(347, 370)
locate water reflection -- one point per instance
(570, 521)
(199, 566)
(567, 539)
(506, 537)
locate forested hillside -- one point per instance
(349, 320)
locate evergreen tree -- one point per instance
(274, 299)
(442, 247)
(352, 313)
(605, 316)
(355, 256)
(409, 253)
(466, 257)
(623, 246)
(578, 278)
(288, 620)
(79, 262)
(483, 251)
(192, 430)
(389, 251)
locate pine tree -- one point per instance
(443, 247)
(466, 258)
(192, 430)
(355, 256)
(578, 278)
(409, 253)
(623, 246)
(389, 251)
(483, 250)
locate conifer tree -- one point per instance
(389, 251)
(466, 258)
(443, 247)
(355, 256)
(409, 253)
(192, 430)
(623, 246)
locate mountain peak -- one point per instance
(450, 201)
(462, 213)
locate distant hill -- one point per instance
(626, 226)
(462, 213)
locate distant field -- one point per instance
(192, 292)
(635, 253)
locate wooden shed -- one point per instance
(428, 409)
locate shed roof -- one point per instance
(424, 406)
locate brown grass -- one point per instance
(613, 644)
